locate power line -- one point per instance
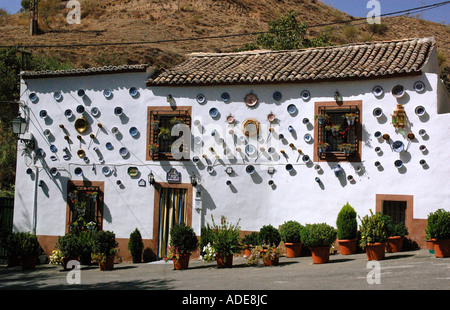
(403, 12)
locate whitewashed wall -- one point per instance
(294, 196)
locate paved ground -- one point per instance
(412, 270)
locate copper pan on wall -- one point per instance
(81, 125)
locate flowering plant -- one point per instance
(208, 253)
(266, 252)
(56, 258)
(153, 147)
(173, 253)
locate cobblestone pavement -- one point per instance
(411, 270)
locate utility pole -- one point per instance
(34, 15)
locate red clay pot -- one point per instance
(271, 261)
(430, 245)
(66, 260)
(293, 249)
(442, 248)
(108, 264)
(347, 246)
(182, 262)
(375, 251)
(320, 255)
(394, 244)
(28, 262)
(224, 262)
(248, 250)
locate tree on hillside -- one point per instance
(10, 67)
(287, 33)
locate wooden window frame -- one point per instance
(184, 111)
(335, 156)
(86, 185)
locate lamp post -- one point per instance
(19, 126)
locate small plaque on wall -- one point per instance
(173, 176)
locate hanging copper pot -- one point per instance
(81, 153)
(81, 125)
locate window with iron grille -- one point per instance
(161, 142)
(85, 207)
(396, 210)
(338, 132)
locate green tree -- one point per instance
(287, 33)
(11, 65)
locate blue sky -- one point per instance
(355, 8)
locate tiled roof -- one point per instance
(89, 71)
(362, 60)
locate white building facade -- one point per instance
(249, 147)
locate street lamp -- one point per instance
(19, 126)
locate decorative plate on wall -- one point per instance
(377, 112)
(43, 113)
(134, 131)
(251, 100)
(225, 97)
(213, 112)
(250, 169)
(377, 91)
(250, 149)
(109, 145)
(81, 125)
(419, 86)
(250, 127)
(291, 109)
(123, 151)
(271, 117)
(305, 95)
(107, 93)
(398, 91)
(230, 119)
(58, 96)
(106, 171)
(81, 92)
(95, 111)
(277, 96)
(80, 109)
(201, 98)
(68, 113)
(398, 146)
(133, 91)
(33, 97)
(78, 171)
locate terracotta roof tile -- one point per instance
(362, 60)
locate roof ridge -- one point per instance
(264, 51)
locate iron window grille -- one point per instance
(85, 207)
(336, 133)
(160, 120)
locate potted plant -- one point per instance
(70, 248)
(135, 246)
(322, 118)
(438, 228)
(270, 254)
(85, 242)
(225, 241)
(323, 146)
(374, 233)
(153, 147)
(249, 242)
(28, 250)
(347, 228)
(319, 237)
(164, 133)
(103, 247)
(155, 124)
(334, 128)
(11, 246)
(350, 117)
(182, 242)
(290, 233)
(347, 148)
(176, 120)
(394, 242)
(269, 235)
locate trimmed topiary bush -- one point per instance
(318, 235)
(346, 223)
(136, 246)
(269, 235)
(290, 232)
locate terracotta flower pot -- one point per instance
(28, 262)
(430, 245)
(108, 264)
(347, 246)
(248, 250)
(375, 251)
(224, 261)
(182, 262)
(293, 249)
(66, 260)
(271, 261)
(442, 248)
(320, 255)
(394, 244)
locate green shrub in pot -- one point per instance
(136, 246)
